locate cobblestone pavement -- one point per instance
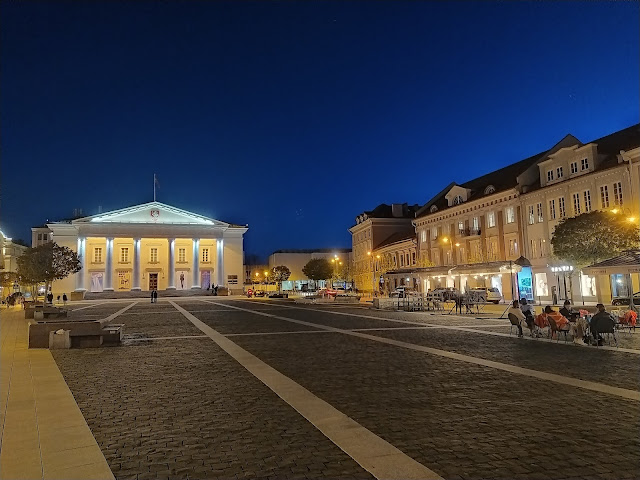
(184, 409)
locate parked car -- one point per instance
(626, 300)
(490, 294)
(259, 293)
(327, 292)
(398, 293)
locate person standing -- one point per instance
(64, 298)
(152, 295)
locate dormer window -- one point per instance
(549, 175)
(574, 168)
(433, 209)
(584, 164)
(559, 173)
(458, 200)
(489, 189)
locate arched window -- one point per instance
(458, 200)
(433, 209)
(489, 189)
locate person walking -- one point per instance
(215, 290)
(152, 295)
(155, 296)
(64, 298)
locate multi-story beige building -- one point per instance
(152, 246)
(372, 229)
(496, 230)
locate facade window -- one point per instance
(587, 201)
(574, 167)
(232, 279)
(617, 193)
(539, 212)
(549, 175)
(406, 259)
(559, 173)
(423, 235)
(531, 215)
(534, 248)
(153, 255)
(401, 260)
(182, 255)
(604, 196)
(552, 209)
(413, 258)
(124, 255)
(584, 164)
(97, 255)
(434, 233)
(476, 224)
(458, 200)
(491, 219)
(576, 204)
(513, 248)
(561, 209)
(40, 236)
(510, 214)
(461, 227)
(205, 254)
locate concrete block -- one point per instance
(59, 339)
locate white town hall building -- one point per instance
(146, 247)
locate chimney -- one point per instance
(396, 210)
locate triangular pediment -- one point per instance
(151, 213)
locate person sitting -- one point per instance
(515, 310)
(528, 314)
(566, 309)
(602, 321)
(561, 322)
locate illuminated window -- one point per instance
(423, 235)
(534, 248)
(97, 255)
(153, 255)
(510, 213)
(476, 224)
(617, 193)
(491, 219)
(574, 167)
(205, 254)
(124, 255)
(532, 217)
(182, 255)
(434, 233)
(461, 227)
(576, 204)
(539, 212)
(587, 201)
(513, 248)
(604, 196)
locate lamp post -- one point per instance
(336, 261)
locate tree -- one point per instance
(279, 274)
(46, 263)
(318, 269)
(593, 237)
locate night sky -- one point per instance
(294, 117)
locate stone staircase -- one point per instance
(145, 294)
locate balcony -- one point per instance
(470, 232)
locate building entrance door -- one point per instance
(153, 281)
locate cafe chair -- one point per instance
(514, 322)
(553, 328)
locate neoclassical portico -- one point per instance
(151, 246)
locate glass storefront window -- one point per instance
(588, 286)
(542, 289)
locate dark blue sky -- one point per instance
(294, 117)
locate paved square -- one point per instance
(419, 394)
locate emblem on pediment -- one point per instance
(155, 214)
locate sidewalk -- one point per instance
(44, 435)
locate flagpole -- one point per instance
(154, 187)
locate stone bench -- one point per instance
(48, 312)
(83, 334)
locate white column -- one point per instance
(172, 264)
(108, 266)
(82, 242)
(196, 263)
(136, 264)
(220, 262)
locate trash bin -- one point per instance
(38, 312)
(59, 339)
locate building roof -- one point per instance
(507, 177)
(395, 237)
(317, 250)
(629, 258)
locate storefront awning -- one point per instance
(626, 263)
